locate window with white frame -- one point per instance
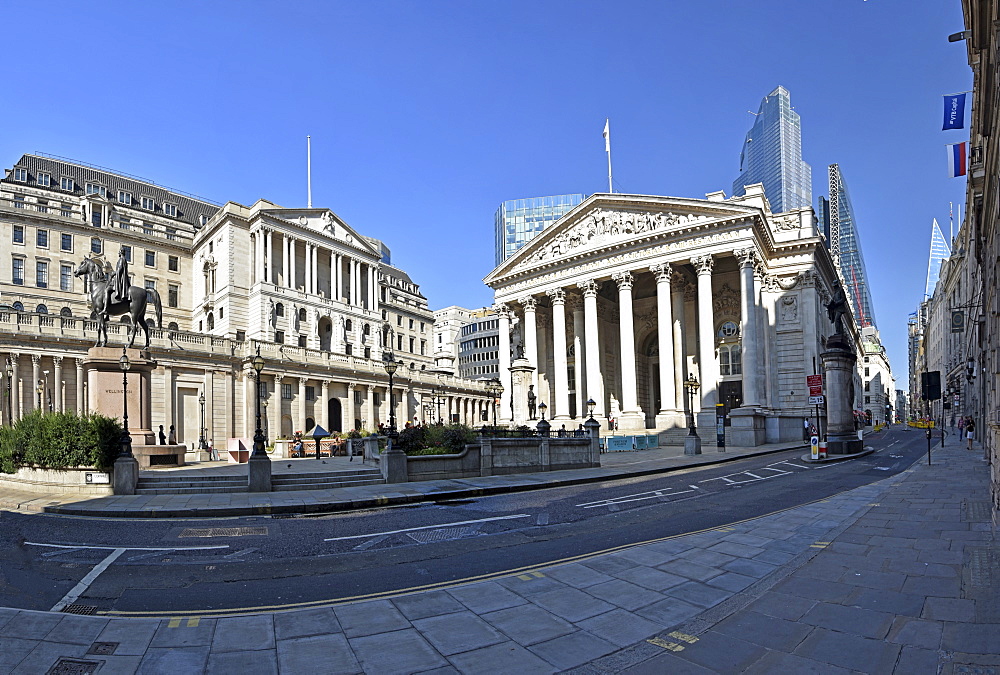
(41, 274)
(43, 179)
(65, 277)
(66, 242)
(18, 234)
(286, 391)
(147, 203)
(20, 174)
(173, 263)
(127, 250)
(172, 294)
(150, 258)
(170, 210)
(125, 198)
(96, 189)
(42, 238)
(96, 245)
(17, 271)
(66, 183)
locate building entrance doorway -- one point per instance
(731, 396)
(333, 409)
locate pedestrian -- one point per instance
(163, 436)
(172, 437)
(213, 453)
(806, 429)
(970, 432)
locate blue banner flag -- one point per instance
(954, 112)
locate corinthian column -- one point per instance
(665, 342)
(503, 355)
(581, 406)
(706, 336)
(57, 388)
(748, 333)
(632, 417)
(561, 411)
(531, 337)
(595, 385)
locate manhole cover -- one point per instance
(103, 648)
(79, 609)
(976, 511)
(431, 536)
(222, 532)
(73, 667)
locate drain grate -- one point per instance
(103, 648)
(79, 609)
(976, 511)
(73, 667)
(222, 532)
(981, 566)
(431, 536)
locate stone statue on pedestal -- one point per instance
(531, 401)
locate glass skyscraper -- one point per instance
(939, 251)
(772, 155)
(518, 220)
(845, 247)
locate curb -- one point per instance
(378, 501)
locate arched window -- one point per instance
(65, 311)
(348, 325)
(279, 310)
(41, 309)
(125, 319)
(172, 326)
(728, 330)
(211, 321)
(18, 307)
(151, 323)
(366, 329)
(302, 314)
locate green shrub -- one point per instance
(59, 440)
(436, 439)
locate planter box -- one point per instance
(67, 481)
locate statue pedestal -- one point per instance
(520, 377)
(839, 362)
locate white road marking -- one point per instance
(428, 527)
(641, 496)
(126, 548)
(85, 582)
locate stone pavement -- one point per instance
(896, 576)
(613, 465)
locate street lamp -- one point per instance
(591, 404)
(692, 442)
(201, 430)
(125, 364)
(46, 392)
(265, 413)
(495, 388)
(438, 399)
(390, 365)
(258, 435)
(541, 409)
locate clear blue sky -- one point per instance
(426, 115)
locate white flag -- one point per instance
(607, 135)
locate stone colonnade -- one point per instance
(676, 339)
(341, 277)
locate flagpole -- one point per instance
(607, 146)
(309, 178)
(951, 226)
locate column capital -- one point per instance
(529, 303)
(624, 280)
(589, 287)
(57, 360)
(703, 263)
(79, 363)
(302, 381)
(747, 256)
(351, 386)
(502, 310)
(663, 272)
(325, 384)
(557, 296)
(36, 359)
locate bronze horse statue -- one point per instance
(134, 306)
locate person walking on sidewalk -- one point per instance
(970, 432)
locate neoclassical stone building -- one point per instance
(628, 295)
(316, 296)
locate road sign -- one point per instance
(814, 447)
(815, 400)
(815, 391)
(814, 380)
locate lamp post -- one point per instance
(436, 393)
(39, 388)
(591, 404)
(496, 391)
(259, 470)
(692, 442)
(541, 409)
(201, 430)
(390, 365)
(125, 364)
(266, 430)
(46, 392)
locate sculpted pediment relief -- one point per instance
(601, 228)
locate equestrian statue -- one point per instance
(114, 295)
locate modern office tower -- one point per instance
(518, 220)
(772, 155)
(823, 216)
(845, 247)
(939, 251)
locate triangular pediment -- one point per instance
(327, 223)
(612, 221)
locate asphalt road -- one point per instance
(198, 567)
